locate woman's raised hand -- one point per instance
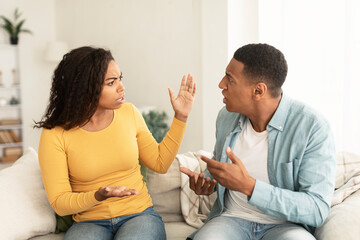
(182, 104)
(114, 191)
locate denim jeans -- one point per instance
(140, 226)
(231, 228)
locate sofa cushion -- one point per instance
(50, 236)
(178, 230)
(164, 190)
(343, 221)
(25, 210)
(174, 231)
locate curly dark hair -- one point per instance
(264, 63)
(76, 86)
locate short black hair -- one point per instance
(264, 63)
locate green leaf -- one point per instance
(8, 26)
(18, 26)
(15, 27)
(17, 14)
(26, 31)
(156, 122)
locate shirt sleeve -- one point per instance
(158, 157)
(310, 203)
(54, 169)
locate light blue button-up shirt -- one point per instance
(301, 164)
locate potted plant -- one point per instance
(14, 28)
(156, 122)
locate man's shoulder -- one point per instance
(300, 109)
(302, 113)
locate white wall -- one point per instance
(320, 40)
(213, 63)
(243, 24)
(156, 42)
(35, 73)
(153, 42)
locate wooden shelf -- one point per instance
(11, 132)
(15, 106)
(7, 145)
(15, 87)
(6, 127)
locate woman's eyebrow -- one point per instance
(111, 78)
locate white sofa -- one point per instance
(26, 213)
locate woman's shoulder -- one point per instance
(127, 108)
(53, 132)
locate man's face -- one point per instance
(237, 89)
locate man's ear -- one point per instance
(259, 90)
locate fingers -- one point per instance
(189, 83)
(205, 186)
(117, 191)
(128, 192)
(206, 183)
(183, 84)
(194, 90)
(210, 162)
(192, 177)
(171, 94)
(212, 186)
(186, 171)
(199, 184)
(231, 155)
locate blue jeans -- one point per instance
(231, 228)
(145, 225)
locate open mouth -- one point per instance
(122, 99)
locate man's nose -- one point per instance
(222, 84)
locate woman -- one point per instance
(91, 144)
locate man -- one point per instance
(277, 181)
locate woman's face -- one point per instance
(113, 93)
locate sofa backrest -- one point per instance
(164, 190)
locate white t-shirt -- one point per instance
(251, 148)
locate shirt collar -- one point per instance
(278, 119)
(242, 121)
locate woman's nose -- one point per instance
(120, 86)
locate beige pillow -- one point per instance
(164, 190)
(24, 207)
(343, 221)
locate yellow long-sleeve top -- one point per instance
(75, 163)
